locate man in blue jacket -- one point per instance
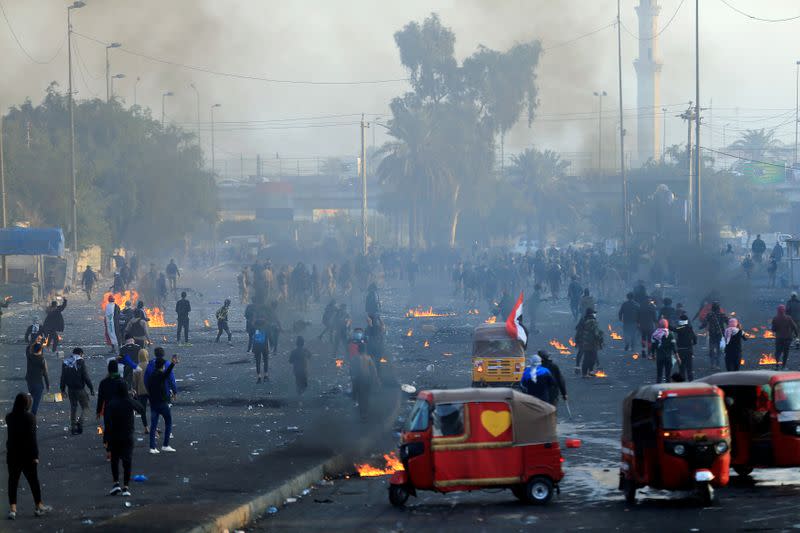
(151, 367)
(537, 380)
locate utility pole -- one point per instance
(197, 98)
(664, 135)
(600, 95)
(626, 221)
(108, 71)
(163, 115)
(688, 116)
(698, 190)
(796, 107)
(241, 166)
(75, 5)
(3, 193)
(363, 185)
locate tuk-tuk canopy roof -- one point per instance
(491, 332)
(748, 377)
(650, 393)
(533, 421)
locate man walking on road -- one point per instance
(172, 275)
(74, 380)
(559, 386)
(88, 280)
(182, 309)
(758, 248)
(685, 338)
(222, 321)
(785, 329)
(629, 316)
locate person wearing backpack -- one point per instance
(74, 380)
(261, 349)
(714, 323)
(222, 321)
(685, 338)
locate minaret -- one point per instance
(648, 81)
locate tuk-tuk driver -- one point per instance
(537, 380)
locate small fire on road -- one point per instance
(392, 465)
(491, 320)
(420, 312)
(339, 363)
(767, 359)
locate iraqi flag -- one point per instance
(514, 325)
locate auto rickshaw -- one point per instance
(764, 410)
(498, 360)
(470, 439)
(675, 436)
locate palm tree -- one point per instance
(756, 144)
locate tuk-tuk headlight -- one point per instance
(721, 447)
(679, 449)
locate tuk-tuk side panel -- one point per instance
(483, 456)
(785, 444)
(542, 460)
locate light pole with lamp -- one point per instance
(75, 5)
(115, 77)
(213, 155)
(796, 107)
(109, 91)
(163, 98)
(197, 94)
(600, 95)
(135, 85)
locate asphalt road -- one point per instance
(589, 499)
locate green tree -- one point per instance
(138, 185)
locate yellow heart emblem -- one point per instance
(496, 422)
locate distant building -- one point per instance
(648, 78)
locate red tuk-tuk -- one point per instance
(470, 439)
(764, 409)
(675, 436)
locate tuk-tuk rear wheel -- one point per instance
(539, 490)
(398, 495)
(630, 491)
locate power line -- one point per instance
(662, 30)
(80, 68)
(760, 19)
(578, 38)
(21, 47)
(743, 158)
(237, 75)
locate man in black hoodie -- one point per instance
(119, 434)
(685, 338)
(74, 380)
(104, 394)
(54, 323)
(558, 386)
(629, 316)
(182, 309)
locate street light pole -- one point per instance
(213, 156)
(109, 91)
(70, 101)
(135, 85)
(664, 134)
(698, 219)
(364, 245)
(796, 107)
(163, 98)
(600, 95)
(3, 194)
(115, 77)
(197, 94)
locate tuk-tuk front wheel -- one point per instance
(539, 490)
(398, 495)
(706, 494)
(743, 471)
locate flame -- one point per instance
(769, 334)
(420, 312)
(206, 323)
(565, 352)
(46, 341)
(767, 359)
(558, 346)
(741, 362)
(120, 298)
(339, 363)
(491, 320)
(426, 345)
(473, 312)
(571, 342)
(635, 356)
(600, 374)
(156, 317)
(614, 335)
(383, 360)
(409, 333)
(393, 465)
(99, 430)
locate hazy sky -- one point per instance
(747, 67)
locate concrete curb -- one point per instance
(247, 512)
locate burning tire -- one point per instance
(398, 495)
(539, 490)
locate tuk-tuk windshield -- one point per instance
(786, 396)
(419, 418)
(693, 412)
(498, 348)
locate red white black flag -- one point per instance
(514, 325)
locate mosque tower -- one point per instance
(648, 84)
